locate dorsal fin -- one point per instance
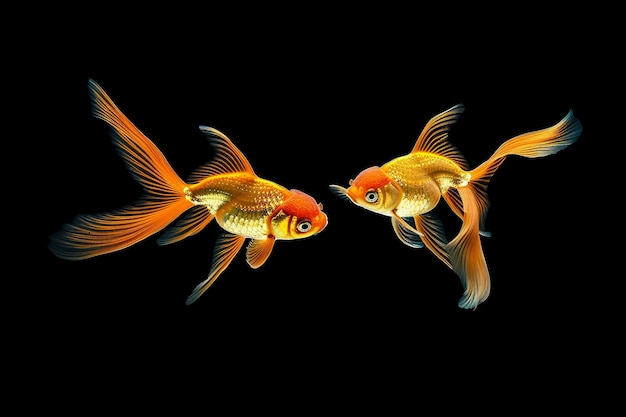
(434, 136)
(228, 158)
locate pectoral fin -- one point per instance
(225, 250)
(259, 250)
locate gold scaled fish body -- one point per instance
(409, 187)
(245, 215)
(423, 178)
(225, 189)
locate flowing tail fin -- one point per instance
(163, 200)
(466, 253)
(465, 250)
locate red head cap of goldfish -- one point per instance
(373, 190)
(299, 216)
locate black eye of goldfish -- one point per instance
(371, 196)
(304, 226)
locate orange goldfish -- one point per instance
(226, 189)
(409, 187)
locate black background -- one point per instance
(311, 101)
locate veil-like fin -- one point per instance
(189, 224)
(163, 200)
(226, 247)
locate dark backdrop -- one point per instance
(311, 103)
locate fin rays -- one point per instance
(433, 236)
(92, 235)
(144, 160)
(407, 234)
(227, 246)
(259, 250)
(466, 255)
(434, 136)
(228, 158)
(543, 142)
(163, 201)
(465, 249)
(191, 223)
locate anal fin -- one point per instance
(226, 247)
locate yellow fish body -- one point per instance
(225, 189)
(409, 187)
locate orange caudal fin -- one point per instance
(92, 235)
(163, 200)
(471, 203)
(543, 142)
(534, 144)
(466, 253)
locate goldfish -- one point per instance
(225, 189)
(408, 188)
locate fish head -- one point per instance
(299, 216)
(373, 190)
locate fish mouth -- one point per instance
(341, 192)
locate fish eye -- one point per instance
(304, 226)
(371, 196)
